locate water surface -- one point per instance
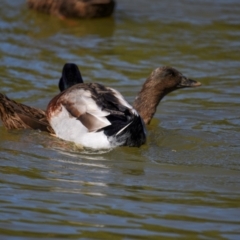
(184, 183)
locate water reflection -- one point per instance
(42, 26)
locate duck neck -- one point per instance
(147, 101)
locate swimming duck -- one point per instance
(74, 8)
(20, 116)
(95, 116)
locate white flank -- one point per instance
(71, 129)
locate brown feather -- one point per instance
(19, 116)
(91, 122)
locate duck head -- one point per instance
(70, 76)
(161, 81)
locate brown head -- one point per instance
(161, 81)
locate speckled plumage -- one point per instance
(19, 116)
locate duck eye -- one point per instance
(170, 73)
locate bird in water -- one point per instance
(95, 116)
(74, 8)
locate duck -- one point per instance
(16, 115)
(74, 8)
(96, 116)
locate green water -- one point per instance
(184, 183)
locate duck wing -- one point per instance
(97, 107)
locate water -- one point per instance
(184, 183)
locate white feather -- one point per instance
(73, 130)
(123, 129)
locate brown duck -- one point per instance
(74, 8)
(93, 115)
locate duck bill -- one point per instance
(187, 82)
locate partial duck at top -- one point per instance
(96, 116)
(74, 8)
